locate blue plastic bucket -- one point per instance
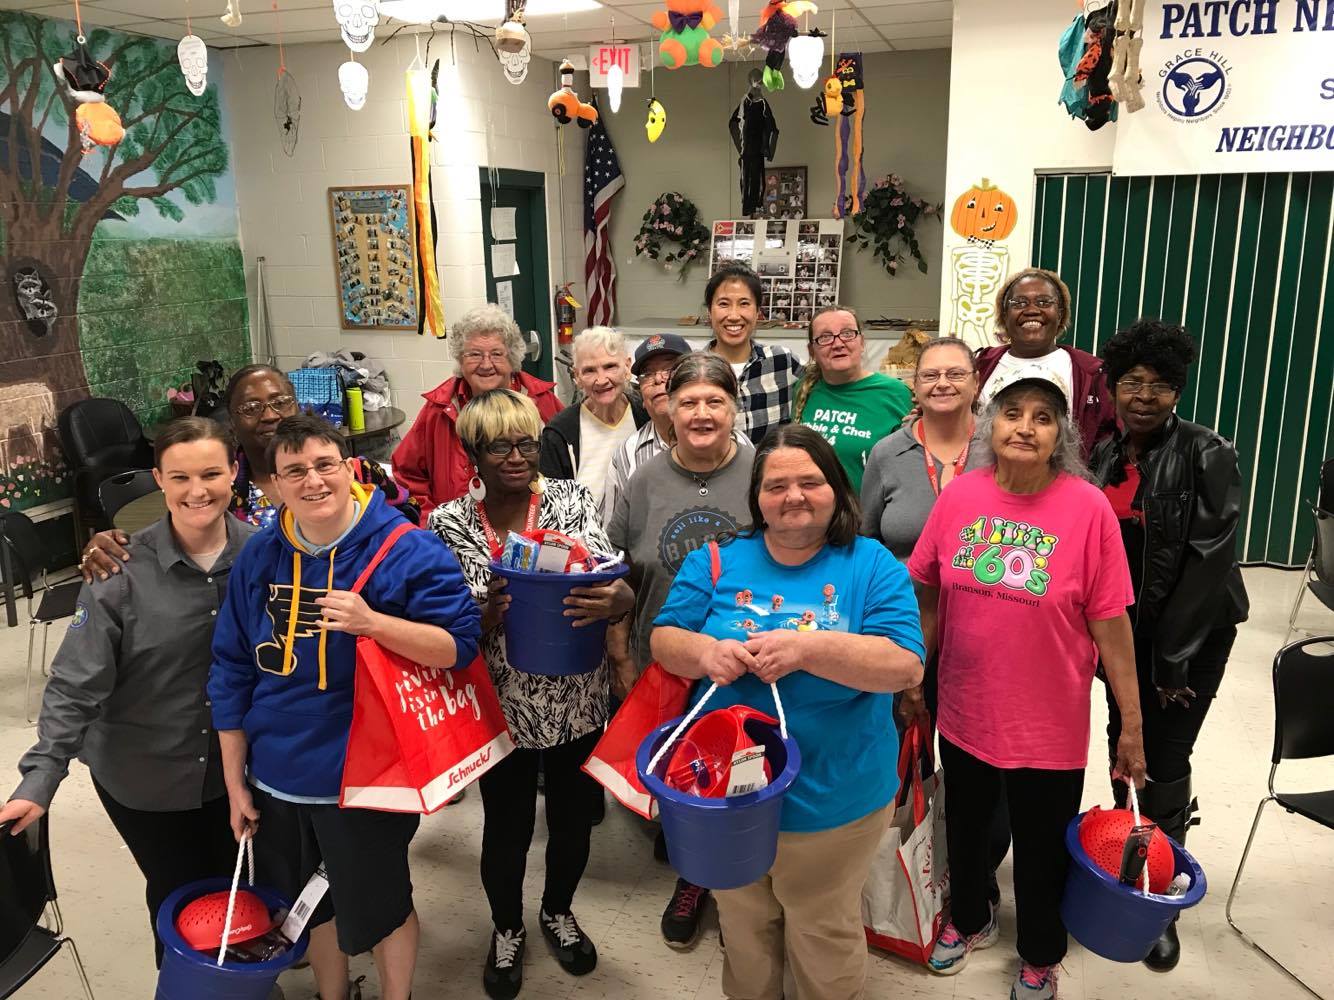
(539, 639)
(188, 974)
(728, 842)
(1112, 919)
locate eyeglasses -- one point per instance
(1133, 387)
(930, 376)
(1042, 302)
(825, 339)
(324, 468)
(501, 449)
(254, 407)
(650, 378)
(477, 357)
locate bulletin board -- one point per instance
(799, 262)
(375, 257)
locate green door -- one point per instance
(530, 290)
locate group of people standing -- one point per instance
(968, 554)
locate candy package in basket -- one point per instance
(545, 551)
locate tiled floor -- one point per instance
(1287, 899)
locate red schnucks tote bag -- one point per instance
(656, 698)
(419, 735)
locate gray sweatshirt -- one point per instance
(661, 518)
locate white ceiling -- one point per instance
(865, 25)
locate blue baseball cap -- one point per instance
(659, 343)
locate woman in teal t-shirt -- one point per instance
(830, 618)
(850, 407)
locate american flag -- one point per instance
(602, 180)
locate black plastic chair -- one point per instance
(1303, 708)
(100, 437)
(132, 500)
(27, 895)
(1318, 577)
(27, 560)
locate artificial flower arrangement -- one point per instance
(887, 221)
(672, 218)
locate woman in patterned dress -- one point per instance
(554, 720)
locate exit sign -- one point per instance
(603, 57)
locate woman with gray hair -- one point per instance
(676, 502)
(1023, 584)
(580, 441)
(430, 461)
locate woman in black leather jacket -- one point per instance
(1176, 491)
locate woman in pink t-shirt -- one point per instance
(1023, 584)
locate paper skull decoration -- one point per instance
(357, 20)
(515, 64)
(355, 81)
(192, 54)
(805, 53)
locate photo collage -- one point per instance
(799, 262)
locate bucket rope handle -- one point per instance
(699, 705)
(245, 849)
(1134, 808)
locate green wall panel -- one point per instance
(1246, 263)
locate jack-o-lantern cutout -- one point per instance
(984, 212)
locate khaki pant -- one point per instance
(805, 915)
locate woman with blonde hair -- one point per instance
(488, 350)
(1032, 313)
(847, 405)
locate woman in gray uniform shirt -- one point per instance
(127, 688)
(906, 471)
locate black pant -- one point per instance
(1170, 732)
(752, 184)
(173, 848)
(1041, 804)
(509, 803)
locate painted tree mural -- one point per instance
(53, 198)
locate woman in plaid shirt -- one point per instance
(767, 374)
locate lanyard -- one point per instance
(534, 503)
(931, 473)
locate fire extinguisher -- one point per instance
(565, 307)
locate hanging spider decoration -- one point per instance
(287, 110)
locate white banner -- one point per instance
(1232, 86)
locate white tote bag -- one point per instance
(907, 894)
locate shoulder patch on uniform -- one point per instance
(80, 618)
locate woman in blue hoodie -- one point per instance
(284, 658)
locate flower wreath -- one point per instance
(887, 222)
(672, 218)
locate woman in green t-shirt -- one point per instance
(849, 406)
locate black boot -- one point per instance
(1169, 804)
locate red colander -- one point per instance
(702, 762)
(200, 922)
(1103, 834)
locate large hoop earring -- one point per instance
(476, 488)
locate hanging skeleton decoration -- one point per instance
(192, 54)
(515, 64)
(357, 20)
(354, 82)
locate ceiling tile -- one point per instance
(907, 44)
(917, 29)
(882, 12)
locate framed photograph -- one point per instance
(375, 257)
(785, 192)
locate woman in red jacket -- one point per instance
(1032, 312)
(488, 349)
